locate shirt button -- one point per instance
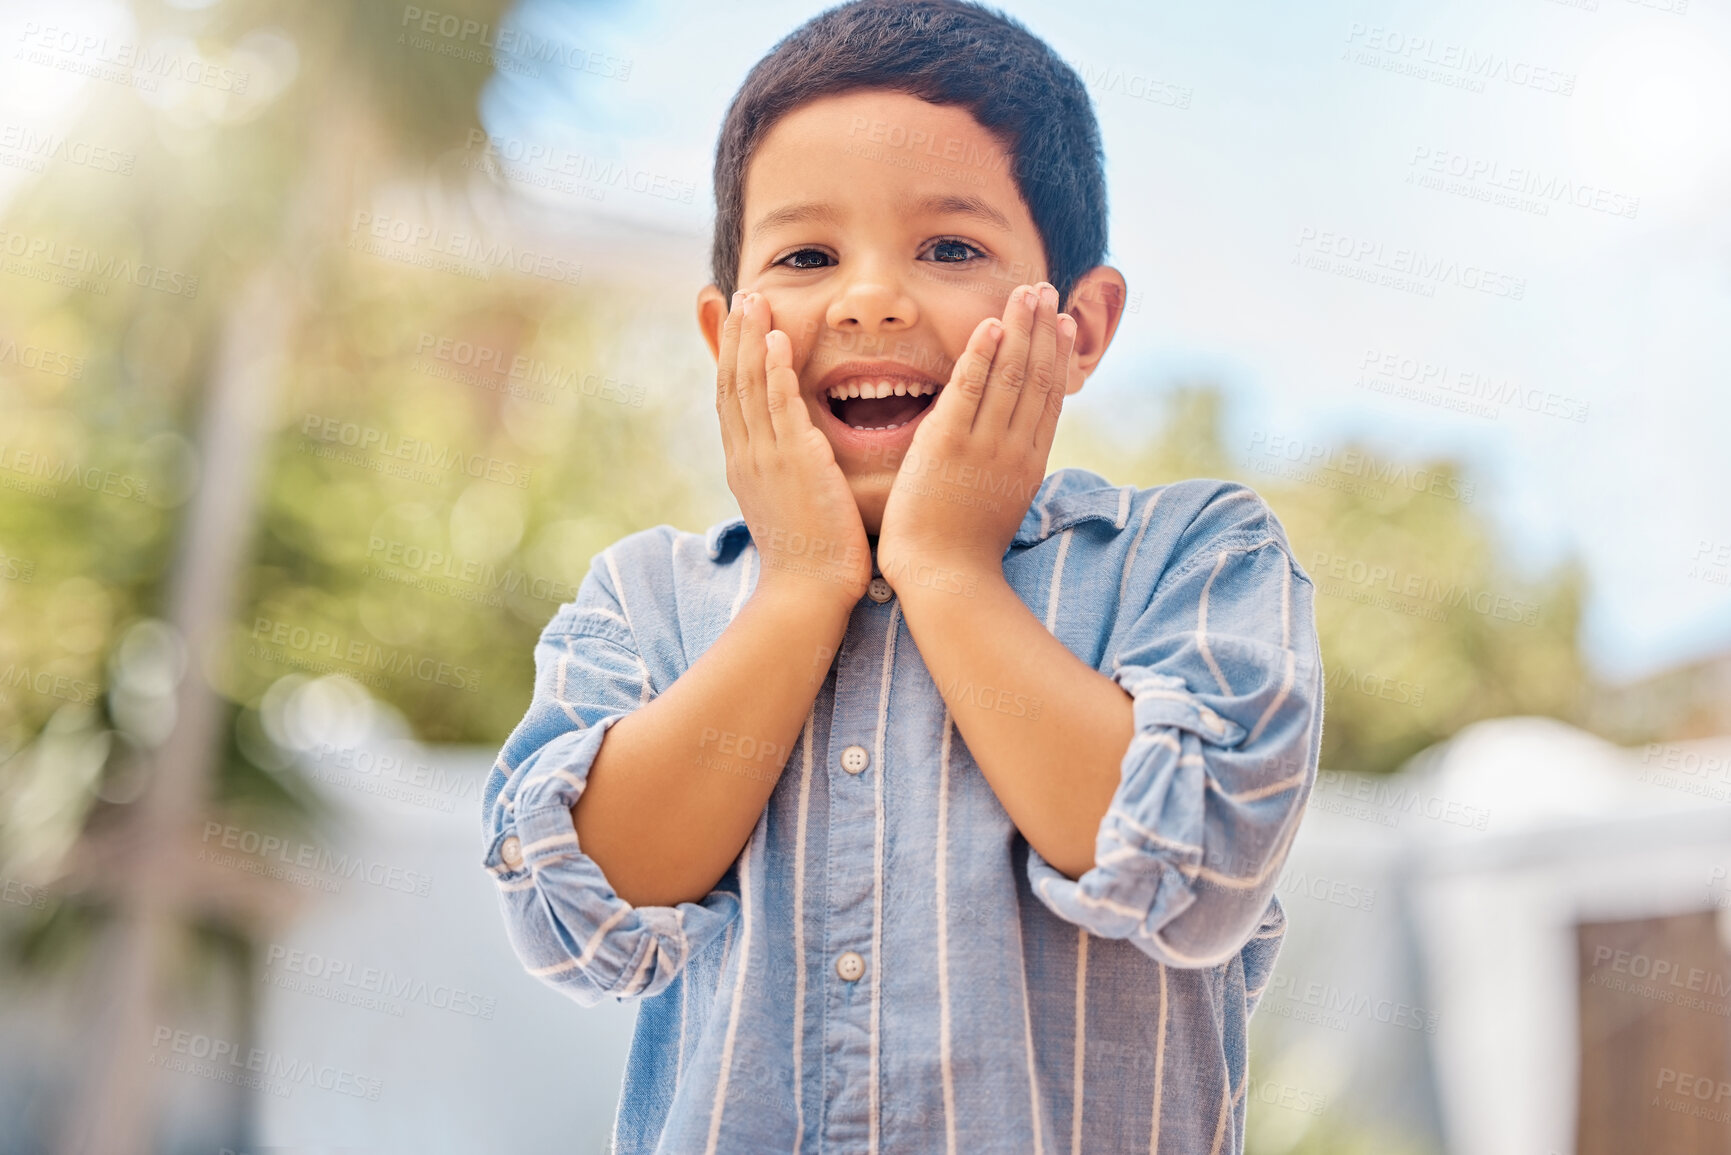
(850, 966)
(511, 850)
(854, 759)
(879, 591)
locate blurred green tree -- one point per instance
(148, 604)
(1424, 627)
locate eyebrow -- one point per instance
(795, 214)
(961, 204)
(941, 204)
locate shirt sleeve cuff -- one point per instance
(566, 922)
(1149, 844)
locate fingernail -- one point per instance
(1048, 295)
(738, 296)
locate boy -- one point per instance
(937, 803)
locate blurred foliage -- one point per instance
(1415, 642)
(103, 383)
(1273, 1130)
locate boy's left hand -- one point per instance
(979, 456)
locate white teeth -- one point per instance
(882, 387)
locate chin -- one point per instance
(870, 494)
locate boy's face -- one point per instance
(882, 229)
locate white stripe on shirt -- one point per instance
(1159, 1062)
(1081, 1038)
(799, 929)
(943, 913)
(720, 1101)
(878, 865)
(1202, 625)
(1135, 543)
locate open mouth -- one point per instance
(880, 403)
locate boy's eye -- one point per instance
(951, 252)
(793, 260)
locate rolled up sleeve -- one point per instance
(1225, 674)
(564, 920)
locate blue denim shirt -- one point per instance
(888, 966)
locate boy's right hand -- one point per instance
(796, 502)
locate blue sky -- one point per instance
(1241, 136)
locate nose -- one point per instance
(872, 301)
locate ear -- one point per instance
(711, 316)
(1097, 303)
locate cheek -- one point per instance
(956, 324)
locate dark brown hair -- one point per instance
(946, 52)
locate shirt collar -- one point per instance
(1065, 499)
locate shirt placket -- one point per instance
(850, 969)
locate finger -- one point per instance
(726, 371)
(1031, 403)
(753, 389)
(787, 414)
(959, 400)
(1010, 366)
(1046, 427)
